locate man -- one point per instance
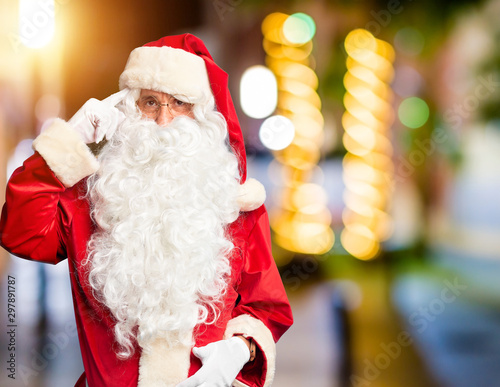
(168, 243)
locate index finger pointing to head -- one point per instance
(116, 98)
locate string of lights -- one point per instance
(301, 220)
(368, 167)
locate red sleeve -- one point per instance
(263, 312)
(261, 291)
(30, 226)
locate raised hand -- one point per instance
(98, 119)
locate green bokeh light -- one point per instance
(409, 41)
(299, 28)
(413, 112)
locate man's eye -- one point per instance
(150, 103)
(178, 102)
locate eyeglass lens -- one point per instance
(150, 106)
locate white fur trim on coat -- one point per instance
(252, 195)
(249, 326)
(65, 153)
(169, 70)
(163, 366)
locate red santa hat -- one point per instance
(182, 66)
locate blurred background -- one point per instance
(374, 126)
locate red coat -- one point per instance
(45, 221)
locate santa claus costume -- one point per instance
(135, 327)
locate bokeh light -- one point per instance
(368, 166)
(48, 106)
(360, 241)
(276, 132)
(407, 81)
(410, 41)
(360, 44)
(299, 28)
(258, 92)
(413, 112)
(36, 22)
(301, 219)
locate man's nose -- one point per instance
(164, 116)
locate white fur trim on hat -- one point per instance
(252, 195)
(250, 327)
(65, 153)
(169, 70)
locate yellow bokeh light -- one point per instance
(363, 135)
(300, 89)
(379, 107)
(359, 42)
(304, 237)
(273, 49)
(361, 113)
(377, 220)
(301, 220)
(359, 76)
(356, 168)
(359, 241)
(363, 48)
(309, 193)
(361, 143)
(272, 26)
(295, 70)
(298, 54)
(369, 194)
(358, 72)
(385, 50)
(348, 121)
(363, 204)
(307, 127)
(368, 168)
(301, 154)
(297, 105)
(314, 238)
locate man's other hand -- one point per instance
(222, 361)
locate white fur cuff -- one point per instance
(249, 326)
(252, 195)
(65, 153)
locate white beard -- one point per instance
(161, 200)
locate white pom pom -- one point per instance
(252, 195)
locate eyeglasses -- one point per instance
(150, 106)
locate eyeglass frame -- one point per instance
(159, 105)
